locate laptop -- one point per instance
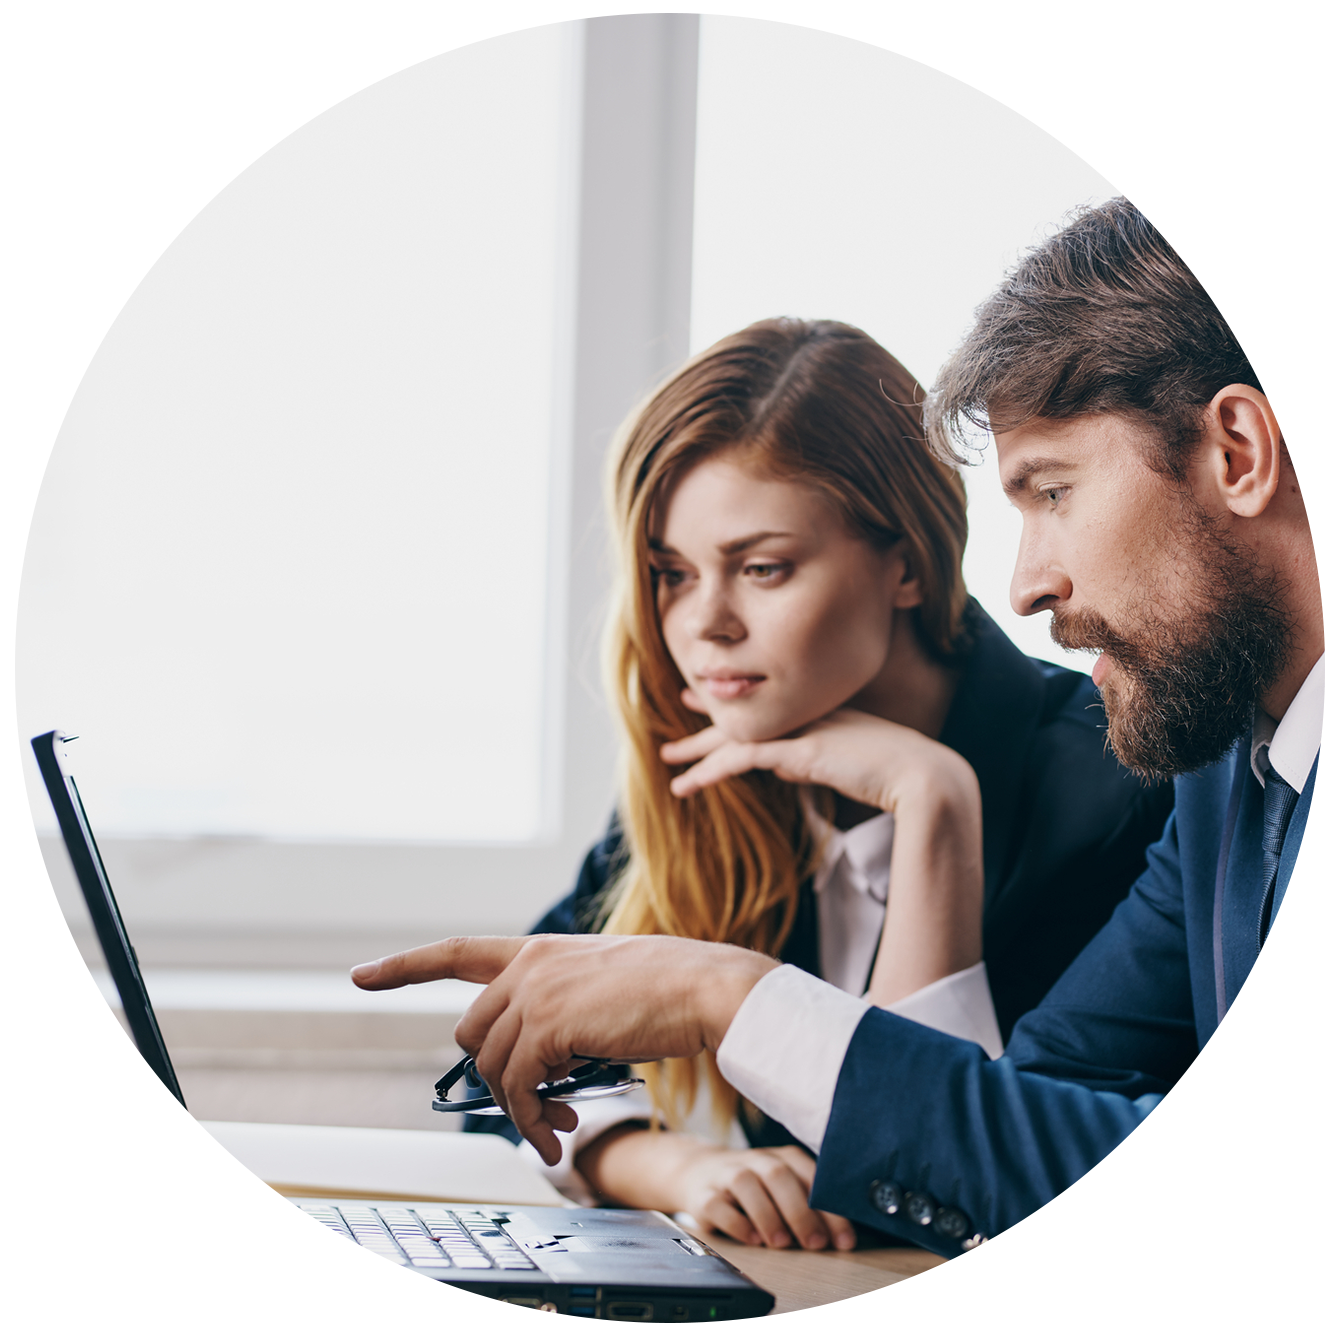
(616, 1265)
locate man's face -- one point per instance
(1130, 563)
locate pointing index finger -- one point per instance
(476, 959)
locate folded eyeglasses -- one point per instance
(594, 1079)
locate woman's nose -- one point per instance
(1039, 581)
(713, 617)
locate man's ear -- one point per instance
(1242, 449)
(907, 590)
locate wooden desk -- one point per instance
(75, 1264)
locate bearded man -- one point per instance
(1162, 525)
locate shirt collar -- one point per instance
(1290, 746)
(863, 853)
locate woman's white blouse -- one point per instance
(851, 887)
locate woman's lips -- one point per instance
(730, 688)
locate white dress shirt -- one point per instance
(791, 1022)
(851, 887)
(1290, 746)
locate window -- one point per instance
(286, 412)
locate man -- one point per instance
(1163, 525)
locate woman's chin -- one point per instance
(743, 725)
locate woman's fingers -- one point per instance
(756, 1201)
(693, 747)
(791, 1196)
(721, 1213)
(840, 1230)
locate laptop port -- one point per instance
(523, 1310)
(585, 1309)
(628, 1311)
(452, 1304)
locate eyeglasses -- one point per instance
(592, 1080)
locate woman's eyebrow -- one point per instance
(737, 545)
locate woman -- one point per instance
(789, 575)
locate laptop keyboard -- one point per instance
(427, 1237)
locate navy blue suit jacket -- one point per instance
(994, 1140)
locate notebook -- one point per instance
(618, 1265)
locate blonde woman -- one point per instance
(797, 669)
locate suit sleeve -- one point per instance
(988, 1142)
(1149, 1209)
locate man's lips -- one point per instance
(729, 686)
(1101, 668)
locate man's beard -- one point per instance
(1193, 668)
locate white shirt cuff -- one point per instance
(785, 1048)
(959, 1004)
(596, 1116)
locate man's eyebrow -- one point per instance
(1028, 468)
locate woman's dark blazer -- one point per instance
(1064, 827)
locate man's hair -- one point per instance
(1102, 317)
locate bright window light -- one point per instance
(885, 170)
(286, 358)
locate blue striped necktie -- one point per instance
(1279, 804)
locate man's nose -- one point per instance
(1039, 582)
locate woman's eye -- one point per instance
(664, 575)
(761, 570)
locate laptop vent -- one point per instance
(298, 1306)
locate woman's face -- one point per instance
(774, 613)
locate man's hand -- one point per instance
(552, 1000)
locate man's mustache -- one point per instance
(1086, 629)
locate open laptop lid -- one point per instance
(92, 876)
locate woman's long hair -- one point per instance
(812, 401)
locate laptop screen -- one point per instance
(97, 889)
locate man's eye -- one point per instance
(1055, 495)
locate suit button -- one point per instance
(975, 1241)
(950, 1223)
(886, 1197)
(918, 1207)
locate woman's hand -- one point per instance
(866, 758)
(933, 922)
(761, 1197)
(758, 1197)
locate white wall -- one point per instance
(839, 181)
